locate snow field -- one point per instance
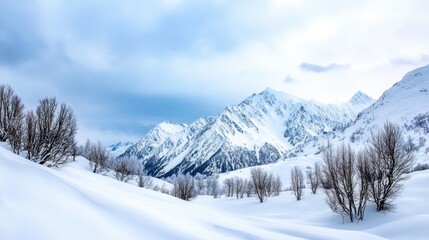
(37, 202)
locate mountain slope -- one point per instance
(262, 129)
(406, 103)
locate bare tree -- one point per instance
(30, 135)
(269, 187)
(259, 178)
(248, 188)
(184, 187)
(229, 187)
(238, 187)
(11, 118)
(6, 94)
(213, 187)
(297, 181)
(97, 155)
(277, 186)
(125, 168)
(364, 171)
(390, 160)
(200, 183)
(143, 180)
(15, 130)
(314, 177)
(346, 173)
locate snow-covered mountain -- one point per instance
(406, 103)
(119, 148)
(272, 125)
(264, 128)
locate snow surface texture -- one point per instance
(37, 202)
(262, 129)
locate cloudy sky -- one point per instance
(125, 66)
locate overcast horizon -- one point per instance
(126, 66)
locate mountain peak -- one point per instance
(360, 98)
(271, 96)
(171, 128)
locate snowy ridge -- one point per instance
(405, 104)
(264, 128)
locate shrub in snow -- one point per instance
(144, 181)
(125, 167)
(97, 155)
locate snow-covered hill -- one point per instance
(37, 202)
(262, 129)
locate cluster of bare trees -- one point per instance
(297, 180)
(261, 183)
(47, 134)
(207, 185)
(238, 187)
(351, 178)
(187, 187)
(124, 168)
(264, 184)
(184, 187)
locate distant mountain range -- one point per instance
(272, 126)
(119, 148)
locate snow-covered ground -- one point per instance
(37, 202)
